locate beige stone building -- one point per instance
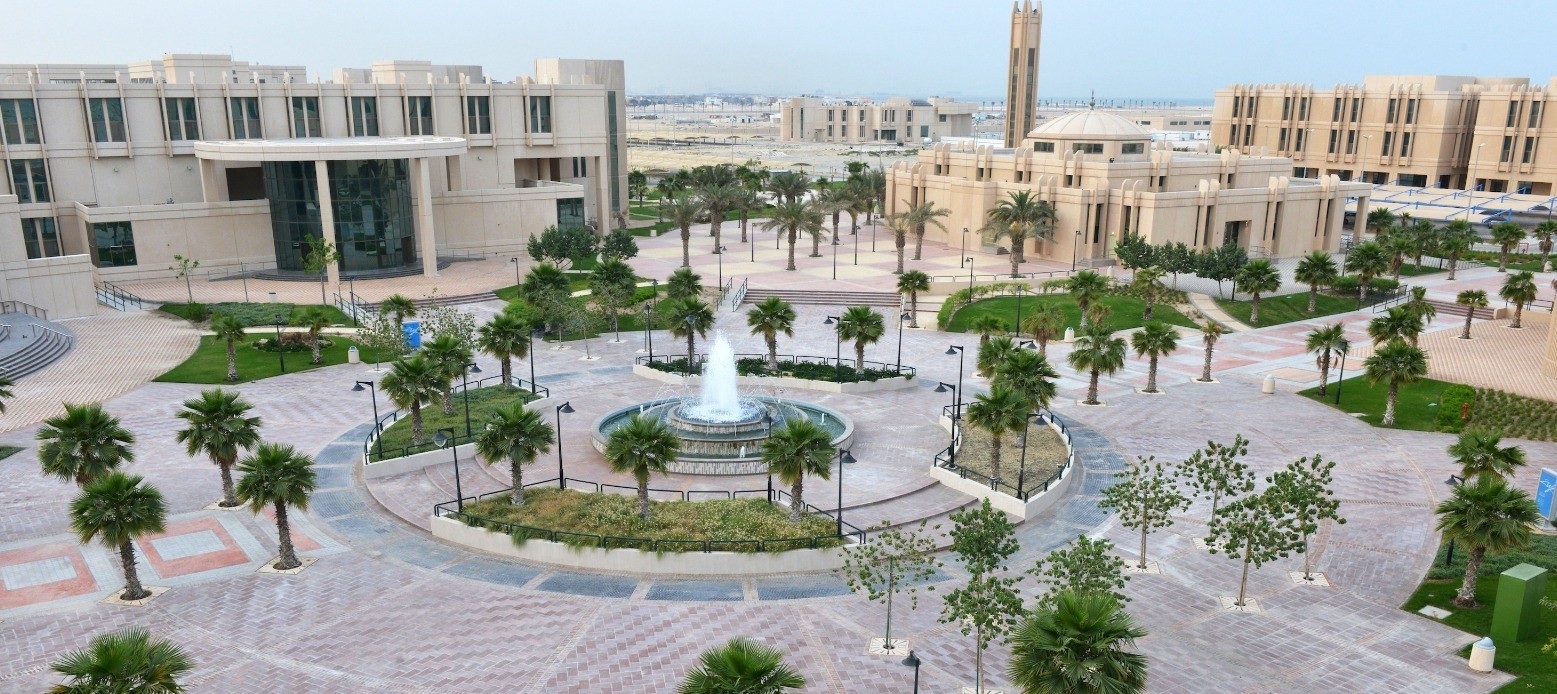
(1436, 131)
(896, 120)
(112, 170)
(1022, 71)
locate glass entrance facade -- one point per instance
(371, 203)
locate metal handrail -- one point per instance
(115, 297)
(1021, 490)
(666, 359)
(1388, 299)
(23, 307)
(1001, 276)
(393, 416)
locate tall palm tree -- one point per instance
(1380, 220)
(123, 661)
(875, 181)
(922, 215)
(277, 475)
(1076, 646)
(999, 412)
(117, 509)
(641, 446)
(1152, 341)
(1418, 306)
(690, 318)
(901, 225)
(1030, 375)
(993, 353)
(1317, 269)
(1097, 352)
(718, 199)
(1368, 261)
(911, 283)
(1397, 324)
(315, 319)
(518, 434)
(219, 426)
(83, 444)
(1397, 364)
(744, 666)
(683, 211)
(745, 203)
(400, 306)
(230, 331)
(1488, 515)
(1258, 277)
(770, 318)
(1086, 287)
(1046, 322)
(987, 326)
(1426, 237)
(1210, 332)
(1327, 343)
(1544, 233)
(832, 202)
(1479, 455)
(1398, 246)
(1016, 218)
(684, 284)
(1456, 240)
(1506, 235)
(1471, 299)
(410, 382)
(797, 449)
(1519, 288)
(505, 337)
(1148, 282)
(861, 200)
(790, 219)
(789, 186)
(450, 356)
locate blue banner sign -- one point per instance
(1544, 491)
(413, 334)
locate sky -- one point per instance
(1143, 49)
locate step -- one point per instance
(36, 356)
(1455, 309)
(828, 298)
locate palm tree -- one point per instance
(1544, 233)
(1046, 322)
(1397, 324)
(1030, 375)
(1379, 221)
(1086, 287)
(1098, 352)
(1479, 455)
(1398, 246)
(789, 186)
(1258, 277)
(690, 318)
(230, 330)
(1210, 332)
(505, 337)
(832, 202)
(860, 201)
(400, 306)
(1368, 261)
(1017, 218)
(117, 509)
(1152, 341)
(1426, 237)
(1328, 343)
(1076, 646)
(518, 434)
(1418, 306)
(1000, 412)
(1506, 235)
(1457, 239)
(769, 318)
(1317, 269)
(1148, 281)
(83, 444)
(5, 392)
(797, 449)
(993, 353)
(637, 185)
(746, 202)
(612, 285)
(683, 284)
(450, 356)
(315, 318)
(987, 326)
(743, 666)
(1488, 515)
(410, 382)
(792, 218)
(911, 283)
(925, 213)
(901, 225)
(123, 661)
(1471, 299)
(1518, 288)
(278, 475)
(718, 199)
(219, 426)
(1397, 364)
(641, 446)
(683, 211)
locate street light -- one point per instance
(280, 352)
(901, 319)
(969, 261)
(470, 368)
(855, 232)
(1340, 377)
(964, 247)
(534, 333)
(837, 347)
(372, 389)
(515, 261)
(913, 662)
(441, 439)
(1453, 481)
(564, 408)
(767, 421)
(835, 257)
(952, 447)
(719, 251)
(1073, 248)
(844, 458)
(1019, 292)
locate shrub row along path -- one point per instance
(386, 608)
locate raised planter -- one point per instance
(1035, 504)
(879, 385)
(637, 561)
(418, 461)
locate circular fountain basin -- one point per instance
(733, 445)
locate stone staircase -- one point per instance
(1450, 308)
(29, 345)
(825, 298)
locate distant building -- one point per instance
(896, 120)
(1022, 72)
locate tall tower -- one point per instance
(1022, 89)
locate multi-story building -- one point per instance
(1410, 130)
(896, 120)
(112, 170)
(1022, 72)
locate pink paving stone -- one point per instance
(36, 593)
(193, 530)
(300, 540)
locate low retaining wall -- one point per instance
(898, 383)
(437, 456)
(637, 561)
(1035, 504)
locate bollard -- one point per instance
(352, 356)
(1070, 334)
(1481, 655)
(1269, 386)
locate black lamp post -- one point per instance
(837, 347)
(767, 420)
(1019, 292)
(351, 291)
(901, 319)
(835, 257)
(1338, 378)
(441, 439)
(964, 247)
(855, 232)
(1021, 470)
(952, 446)
(1073, 248)
(719, 251)
(515, 261)
(280, 352)
(564, 408)
(372, 389)
(961, 353)
(969, 259)
(913, 662)
(1453, 481)
(534, 333)
(844, 458)
(470, 368)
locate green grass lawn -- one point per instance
(255, 313)
(8, 451)
(209, 362)
(1415, 407)
(396, 440)
(1427, 268)
(1126, 311)
(1275, 310)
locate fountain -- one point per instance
(722, 431)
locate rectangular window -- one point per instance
(862, 119)
(42, 238)
(113, 244)
(1132, 148)
(1043, 146)
(1335, 138)
(862, 131)
(364, 116)
(478, 115)
(570, 212)
(1336, 117)
(107, 116)
(829, 131)
(1529, 151)
(1237, 107)
(540, 114)
(1535, 114)
(1248, 135)
(19, 121)
(29, 180)
(1405, 144)
(829, 115)
(1389, 144)
(1254, 108)
(1286, 107)
(1410, 111)
(1281, 141)
(910, 115)
(1508, 149)
(924, 131)
(244, 111)
(1389, 116)
(182, 122)
(1356, 108)
(1232, 134)
(1513, 113)
(1351, 141)
(1299, 138)
(1087, 147)
(580, 167)
(1303, 109)
(943, 118)
(305, 117)
(419, 115)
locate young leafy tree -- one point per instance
(411, 382)
(796, 449)
(1368, 261)
(1488, 515)
(1518, 288)
(1152, 341)
(517, 434)
(641, 446)
(315, 319)
(1471, 299)
(1317, 269)
(619, 245)
(770, 318)
(126, 661)
(558, 245)
(911, 283)
(999, 412)
(1397, 364)
(1220, 264)
(612, 286)
(1506, 235)
(1097, 352)
(278, 475)
(742, 665)
(219, 426)
(1076, 644)
(1046, 322)
(684, 284)
(1328, 343)
(185, 270)
(1256, 278)
(988, 606)
(1210, 332)
(1253, 529)
(1480, 456)
(1217, 472)
(319, 259)
(505, 337)
(1303, 490)
(1177, 259)
(1148, 283)
(864, 326)
(83, 444)
(1134, 251)
(381, 334)
(893, 561)
(1145, 496)
(117, 509)
(229, 330)
(1085, 566)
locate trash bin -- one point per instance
(1070, 334)
(352, 356)
(1269, 386)
(1481, 655)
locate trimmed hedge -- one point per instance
(1453, 400)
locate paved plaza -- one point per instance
(387, 608)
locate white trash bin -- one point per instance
(352, 356)
(1269, 386)
(1481, 655)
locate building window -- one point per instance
(364, 116)
(580, 167)
(1281, 141)
(910, 113)
(1299, 139)
(19, 121)
(1405, 144)
(862, 131)
(1529, 151)
(478, 115)
(829, 115)
(29, 180)
(924, 131)
(1043, 146)
(1335, 137)
(1336, 116)
(419, 115)
(182, 122)
(1237, 107)
(1513, 113)
(1286, 107)
(113, 244)
(1303, 108)
(305, 117)
(829, 131)
(540, 114)
(1248, 135)
(1132, 148)
(245, 117)
(943, 118)
(1535, 114)
(42, 238)
(1351, 141)
(107, 116)
(1389, 144)
(1389, 116)
(1356, 108)
(1232, 135)
(1087, 147)
(570, 212)
(1410, 111)
(1508, 148)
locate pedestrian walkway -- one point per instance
(1208, 307)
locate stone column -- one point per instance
(421, 187)
(327, 221)
(209, 190)
(1360, 226)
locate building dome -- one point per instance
(1089, 125)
